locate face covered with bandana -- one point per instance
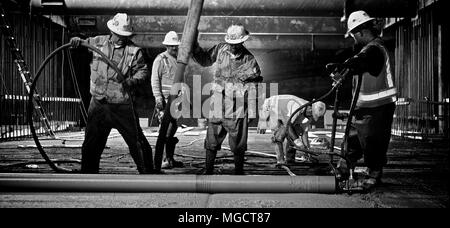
(236, 49)
(118, 40)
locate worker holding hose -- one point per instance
(275, 115)
(163, 73)
(111, 104)
(235, 68)
(371, 128)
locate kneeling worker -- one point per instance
(275, 114)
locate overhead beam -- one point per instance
(211, 7)
(266, 32)
(216, 24)
(316, 8)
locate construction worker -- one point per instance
(371, 129)
(111, 104)
(275, 114)
(234, 68)
(163, 73)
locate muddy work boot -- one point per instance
(342, 171)
(209, 162)
(239, 164)
(169, 161)
(373, 179)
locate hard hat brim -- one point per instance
(358, 25)
(238, 41)
(117, 31)
(171, 43)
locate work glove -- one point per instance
(76, 41)
(160, 104)
(338, 76)
(160, 115)
(299, 143)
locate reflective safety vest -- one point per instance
(163, 74)
(104, 80)
(377, 90)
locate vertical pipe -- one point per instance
(11, 83)
(430, 75)
(401, 65)
(434, 95)
(8, 72)
(396, 117)
(13, 101)
(33, 55)
(440, 89)
(411, 73)
(63, 94)
(421, 75)
(427, 76)
(2, 89)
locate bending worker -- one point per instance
(371, 129)
(275, 114)
(111, 104)
(163, 73)
(235, 67)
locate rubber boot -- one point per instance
(290, 155)
(209, 163)
(140, 160)
(280, 153)
(169, 161)
(238, 163)
(343, 170)
(147, 156)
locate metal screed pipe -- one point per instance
(165, 183)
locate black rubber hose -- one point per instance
(344, 146)
(343, 153)
(336, 85)
(30, 108)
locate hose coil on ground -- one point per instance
(31, 97)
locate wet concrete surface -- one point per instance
(177, 200)
(415, 176)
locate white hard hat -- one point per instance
(171, 39)
(236, 34)
(120, 24)
(318, 109)
(356, 19)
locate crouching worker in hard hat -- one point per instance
(371, 130)
(163, 73)
(275, 114)
(234, 68)
(111, 104)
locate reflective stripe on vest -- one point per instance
(377, 96)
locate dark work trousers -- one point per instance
(370, 135)
(237, 139)
(102, 117)
(170, 144)
(281, 133)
